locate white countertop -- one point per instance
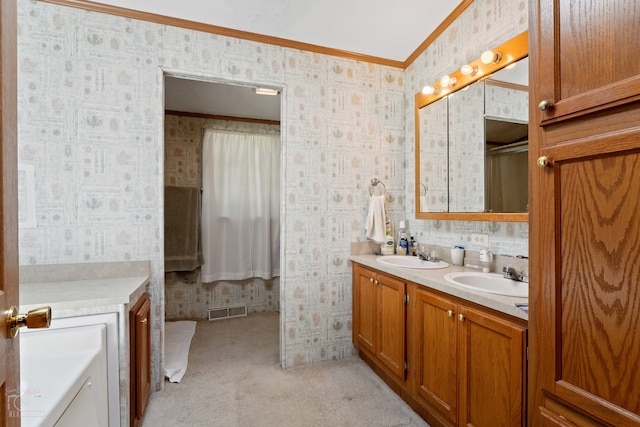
(434, 279)
(81, 295)
(82, 289)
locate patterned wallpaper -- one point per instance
(91, 122)
(483, 25)
(90, 107)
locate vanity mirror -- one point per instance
(471, 140)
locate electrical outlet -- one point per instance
(480, 239)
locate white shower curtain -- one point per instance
(240, 205)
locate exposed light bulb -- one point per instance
(489, 57)
(468, 70)
(447, 81)
(429, 90)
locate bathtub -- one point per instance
(64, 378)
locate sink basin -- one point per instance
(492, 283)
(411, 262)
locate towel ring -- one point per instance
(374, 183)
(423, 187)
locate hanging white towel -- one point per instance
(376, 219)
(423, 204)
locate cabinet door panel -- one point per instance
(392, 317)
(436, 353)
(584, 64)
(598, 296)
(365, 312)
(143, 355)
(492, 371)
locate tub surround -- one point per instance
(434, 279)
(76, 290)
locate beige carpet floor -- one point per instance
(234, 380)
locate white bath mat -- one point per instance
(177, 340)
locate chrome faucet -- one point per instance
(511, 273)
(426, 257)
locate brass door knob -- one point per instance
(34, 319)
(545, 104)
(543, 161)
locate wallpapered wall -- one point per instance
(185, 294)
(90, 89)
(91, 122)
(483, 25)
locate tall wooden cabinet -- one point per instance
(379, 318)
(584, 135)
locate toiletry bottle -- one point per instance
(403, 240)
(388, 248)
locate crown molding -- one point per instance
(246, 35)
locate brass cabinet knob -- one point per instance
(144, 321)
(545, 104)
(36, 318)
(371, 279)
(450, 313)
(461, 317)
(377, 283)
(543, 161)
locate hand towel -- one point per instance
(376, 219)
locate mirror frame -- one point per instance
(512, 51)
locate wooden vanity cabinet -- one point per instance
(140, 358)
(470, 364)
(455, 363)
(379, 319)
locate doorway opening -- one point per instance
(191, 104)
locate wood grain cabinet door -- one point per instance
(585, 212)
(586, 55)
(140, 358)
(492, 370)
(392, 319)
(365, 308)
(436, 353)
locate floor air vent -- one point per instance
(227, 312)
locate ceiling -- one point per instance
(383, 29)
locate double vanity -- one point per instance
(445, 338)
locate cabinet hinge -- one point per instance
(527, 352)
(406, 366)
(406, 299)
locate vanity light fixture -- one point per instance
(265, 91)
(468, 70)
(490, 57)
